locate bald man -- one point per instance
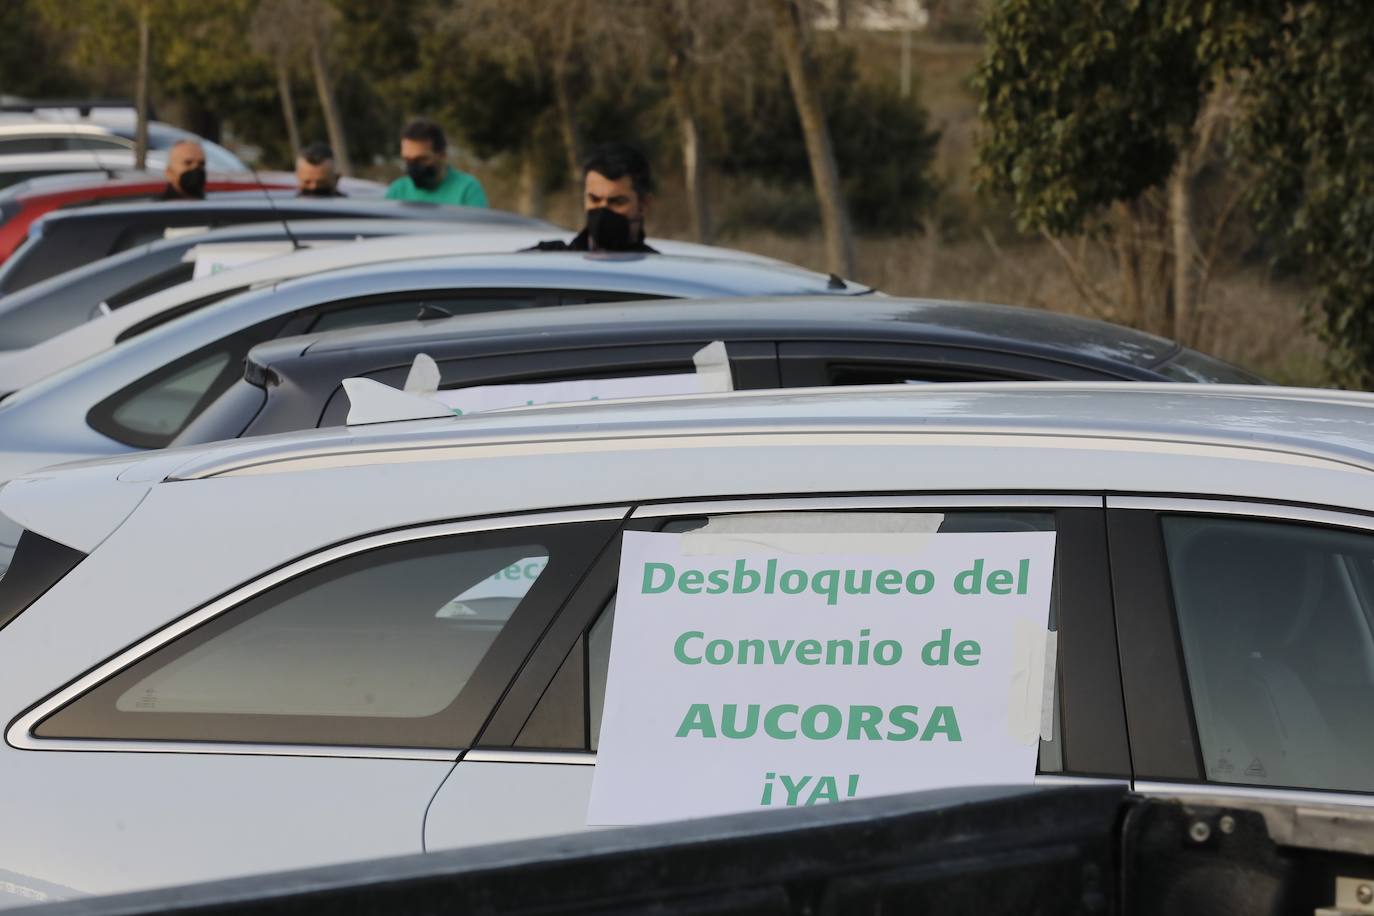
(185, 172)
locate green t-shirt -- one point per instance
(457, 188)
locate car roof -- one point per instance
(103, 160)
(125, 212)
(952, 442)
(871, 318)
(64, 184)
(652, 274)
(1263, 423)
(22, 368)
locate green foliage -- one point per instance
(1309, 127)
(1084, 103)
(883, 144)
(22, 42)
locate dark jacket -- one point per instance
(171, 193)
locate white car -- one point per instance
(278, 652)
(22, 367)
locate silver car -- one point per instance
(279, 652)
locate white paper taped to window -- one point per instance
(423, 377)
(713, 368)
(1030, 707)
(370, 401)
(712, 375)
(875, 533)
(213, 258)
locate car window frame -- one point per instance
(1093, 733)
(1164, 736)
(811, 363)
(587, 530)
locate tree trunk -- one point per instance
(567, 125)
(330, 106)
(141, 128)
(693, 166)
(1128, 264)
(839, 240)
(1183, 248)
(288, 108)
(531, 185)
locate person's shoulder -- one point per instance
(400, 189)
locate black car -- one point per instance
(59, 303)
(63, 241)
(296, 383)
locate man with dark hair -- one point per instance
(315, 173)
(185, 172)
(429, 178)
(617, 191)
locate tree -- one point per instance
(269, 39)
(1088, 108)
(298, 33)
(797, 57)
(1104, 116)
(535, 44)
(1307, 127)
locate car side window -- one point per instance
(596, 641)
(379, 648)
(152, 411)
(384, 312)
(1277, 625)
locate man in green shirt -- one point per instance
(429, 178)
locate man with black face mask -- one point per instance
(429, 178)
(618, 190)
(185, 172)
(315, 172)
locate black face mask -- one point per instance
(608, 230)
(192, 182)
(426, 177)
(318, 191)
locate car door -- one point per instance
(531, 770)
(1247, 634)
(822, 363)
(306, 718)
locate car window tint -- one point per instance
(912, 374)
(180, 273)
(598, 636)
(18, 146)
(162, 409)
(378, 648)
(96, 143)
(1192, 366)
(408, 309)
(1277, 625)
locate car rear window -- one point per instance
(1192, 366)
(32, 564)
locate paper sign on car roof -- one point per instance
(368, 404)
(214, 257)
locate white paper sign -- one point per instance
(211, 259)
(499, 397)
(754, 677)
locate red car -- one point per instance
(23, 203)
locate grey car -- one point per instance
(39, 312)
(297, 382)
(143, 393)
